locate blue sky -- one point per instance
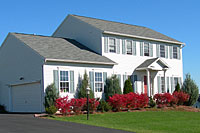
(179, 19)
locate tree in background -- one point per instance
(190, 87)
(112, 87)
(83, 86)
(128, 86)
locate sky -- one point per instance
(179, 19)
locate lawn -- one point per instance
(143, 122)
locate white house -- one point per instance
(29, 63)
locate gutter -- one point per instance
(183, 45)
(141, 37)
(84, 62)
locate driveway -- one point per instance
(26, 123)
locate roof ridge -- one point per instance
(109, 21)
(39, 35)
(158, 35)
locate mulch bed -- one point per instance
(175, 108)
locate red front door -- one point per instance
(145, 84)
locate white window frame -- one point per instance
(175, 83)
(115, 46)
(62, 91)
(127, 52)
(162, 82)
(148, 54)
(98, 82)
(175, 54)
(162, 51)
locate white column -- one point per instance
(148, 83)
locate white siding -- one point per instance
(78, 69)
(128, 63)
(17, 60)
(80, 31)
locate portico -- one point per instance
(150, 68)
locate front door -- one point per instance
(145, 84)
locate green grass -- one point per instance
(143, 122)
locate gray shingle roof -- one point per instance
(122, 28)
(147, 62)
(61, 48)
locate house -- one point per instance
(29, 63)
(197, 103)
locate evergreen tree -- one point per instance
(112, 87)
(190, 87)
(50, 95)
(128, 86)
(84, 85)
(177, 88)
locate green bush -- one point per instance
(190, 87)
(128, 86)
(112, 87)
(51, 95)
(104, 106)
(84, 85)
(152, 103)
(51, 110)
(177, 88)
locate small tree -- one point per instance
(128, 86)
(84, 85)
(50, 95)
(190, 87)
(112, 87)
(177, 88)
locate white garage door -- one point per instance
(26, 98)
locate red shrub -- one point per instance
(130, 101)
(63, 105)
(163, 99)
(93, 104)
(143, 101)
(116, 101)
(177, 98)
(77, 104)
(181, 97)
(134, 100)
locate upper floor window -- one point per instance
(98, 82)
(112, 45)
(129, 47)
(146, 49)
(162, 51)
(175, 52)
(64, 81)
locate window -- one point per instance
(162, 51)
(163, 84)
(175, 81)
(64, 81)
(112, 45)
(146, 49)
(98, 82)
(175, 52)
(129, 47)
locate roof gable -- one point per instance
(153, 64)
(62, 49)
(116, 27)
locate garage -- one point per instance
(26, 97)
